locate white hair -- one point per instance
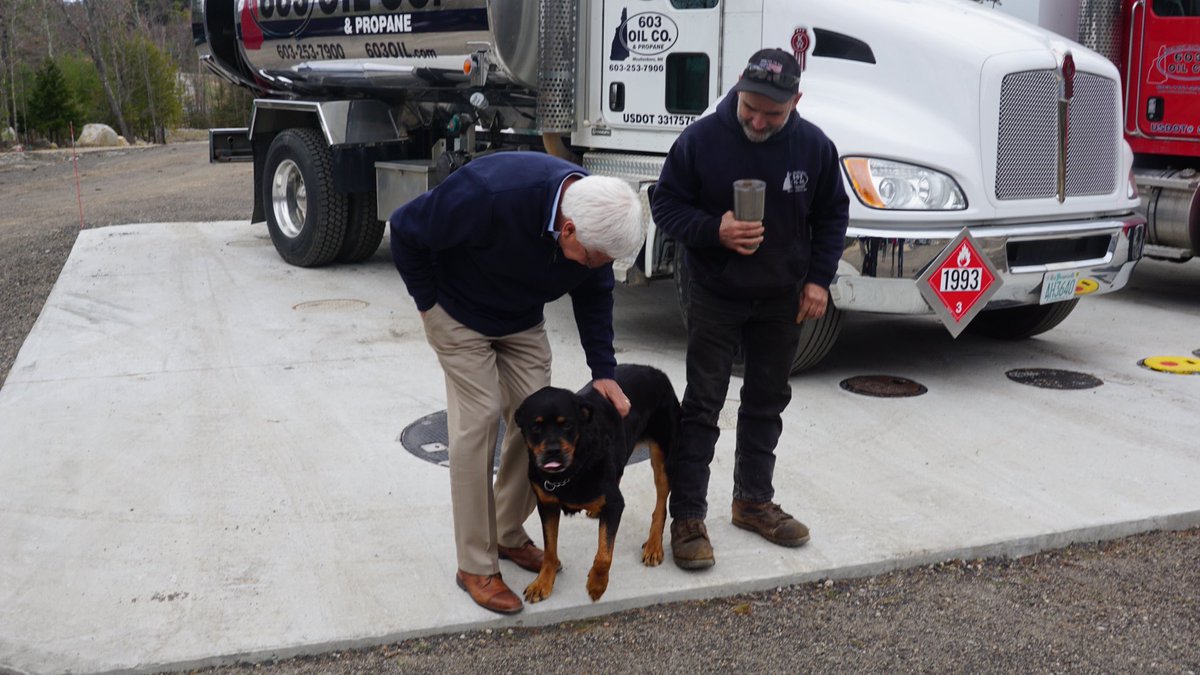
(607, 214)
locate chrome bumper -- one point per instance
(879, 266)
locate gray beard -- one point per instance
(758, 136)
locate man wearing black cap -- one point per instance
(751, 284)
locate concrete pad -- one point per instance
(200, 453)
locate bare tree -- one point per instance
(45, 11)
(102, 25)
(21, 52)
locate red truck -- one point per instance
(1155, 45)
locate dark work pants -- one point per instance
(769, 335)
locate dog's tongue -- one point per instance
(552, 466)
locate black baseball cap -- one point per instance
(773, 73)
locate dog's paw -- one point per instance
(652, 553)
(537, 591)
(597, 583)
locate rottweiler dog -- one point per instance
(578, 448)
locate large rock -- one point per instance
(8, 135)
(98, 136)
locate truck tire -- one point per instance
(305, 215)
(364, 230)
(1018, 323)
(817, 337)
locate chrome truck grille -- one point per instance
(1027, 147)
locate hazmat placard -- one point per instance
(959, 282)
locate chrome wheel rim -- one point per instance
(289, 198)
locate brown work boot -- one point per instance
(526, 556)
(690, 545)
(770, 522)
(489, 592)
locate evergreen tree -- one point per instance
(84, 80)
(153, 104)
(53, 107)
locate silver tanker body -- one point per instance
(368, 47)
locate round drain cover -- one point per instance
(427, 439)
(884, 386)
(1050, 378)
(1176, 365)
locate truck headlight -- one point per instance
(887, 184)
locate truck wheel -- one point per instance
(364, 230)
(1018, 323)
(305, 215)
(816, 337)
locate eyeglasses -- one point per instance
(762, 74)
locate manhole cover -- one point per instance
(1175, 365)
(1051, 378)
(333, 305)
(884, 386)
(428, 437)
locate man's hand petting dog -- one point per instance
(612, 391)
(579, 444)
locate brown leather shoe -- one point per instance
(489, 592)
(526, 556)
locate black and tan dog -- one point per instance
(578, 447)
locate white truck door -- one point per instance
(659, 62)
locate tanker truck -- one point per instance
(953, 123)
(1155, 45)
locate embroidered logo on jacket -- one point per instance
(795, 181)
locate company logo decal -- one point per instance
(644, 34)
(795, 181)
(1180, 62)
(800, 44)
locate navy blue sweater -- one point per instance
(477, 245)
(806, 204)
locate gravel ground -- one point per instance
(1125, 606)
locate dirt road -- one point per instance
(1127, 606)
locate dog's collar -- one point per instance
(551, 486)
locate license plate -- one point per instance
(1058, 286)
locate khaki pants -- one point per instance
(487, 377)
